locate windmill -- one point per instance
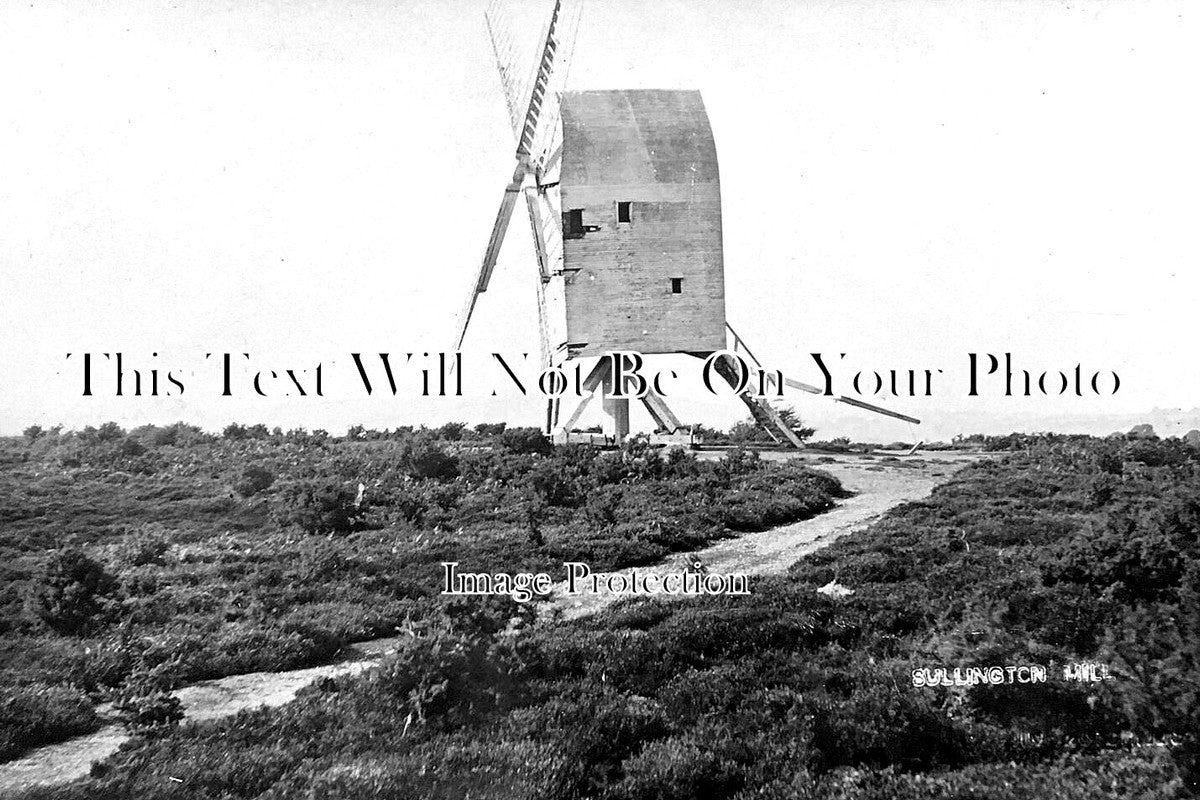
(623, 196)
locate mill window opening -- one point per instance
(624, 211)
(573, 223)
(676, 285)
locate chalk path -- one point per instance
(877, 487)
(65, 761)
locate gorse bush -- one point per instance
(426, 460)
(144, 700)
(446, 678)
(525, 440)
(254, 480)
(319, 507)
(39, 712)
(70, 591)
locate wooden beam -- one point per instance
(663, 416)
(850, 401)
(590, 384)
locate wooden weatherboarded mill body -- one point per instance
(641, 199)
(623, 194)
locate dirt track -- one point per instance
(66, 761)
(877, 485)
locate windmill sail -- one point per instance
(506, 47)
(484, 275)
(547, 143)
(624, 288)
(534, 98)
(534, 107)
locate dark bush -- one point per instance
(603, 506)
(525, 440)
(38, 713)
(739, 461)
(319, 507)
(684, 767)
(70, 590)
(428, 461)
(144, 701)
(143, 547)
(109, 432)
(452, 431)
(879, 725)
(599, 731)
(254, 479)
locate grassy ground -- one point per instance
(135, 561)
(1072, 549)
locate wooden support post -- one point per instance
(616, 417)
(576, 414)
(663, 416)
(590, 384)
(616, 409)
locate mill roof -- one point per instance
(626, 137)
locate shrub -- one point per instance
(428, 461)
(598, 732)
(555, 483)
(525, 440)
(452, 431)
(740, 461)
(144, 701)
(233, 431)
(749, 431)
(70, 590)
(142, 547)
(38, 714)
(680, 768)
(254, 479)
(109, 432)
(603, 506)
(447, 677)
(320, 507)
(178, 434)
(881, 726)
(533, 511)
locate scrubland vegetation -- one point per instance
(1071, 549)
(135, 561)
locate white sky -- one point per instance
(906, 182)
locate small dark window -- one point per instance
(624, 211)
(573, 223)
(676, 285)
